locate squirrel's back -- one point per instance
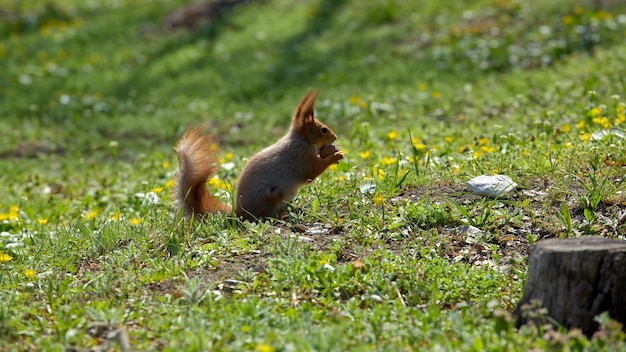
(272, 178)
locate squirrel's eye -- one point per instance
(324, 130)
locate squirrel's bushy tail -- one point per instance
(197, 157)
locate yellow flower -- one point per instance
(422, 87)
(602, 121)
(566, 128)
(365, 154)
(30, 273)
(322, 261)
(578, 10)
(476, 154)
(585, 137)
(264, 347)
(134, 221)
(91, 215)
(14, 212)
(76, 22)
(166, 165)
(483, 141)
(419, 146)
(580, 124)
(620, 114)
(169, 183)
(595, 111)
(342, 178)
(356, 100)
(42, 221)
(4, 257)
(116, 216)
(215, 182)
(448, 139)
(567, 20)
(388, 161)
(603, 15)
(332, 167)
(94, 58)
(488, 149)
(42, 55)
(157, 190)
(228, 156)
(456, 169)
(378, 199)
(12, 215)
(392, 135)
(436, 95)
(380, 173)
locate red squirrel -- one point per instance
(269, 180)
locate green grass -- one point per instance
(423, 95)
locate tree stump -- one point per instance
(575, 280)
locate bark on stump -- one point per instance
(575, 280)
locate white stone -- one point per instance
(376, 298)
(317, 229)
(491, 186)
(305, 239)
(472, 234)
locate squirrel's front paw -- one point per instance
(338, 155)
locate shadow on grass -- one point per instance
(296, 64)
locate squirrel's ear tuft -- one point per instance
(306, 107)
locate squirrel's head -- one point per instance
(305, 123)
